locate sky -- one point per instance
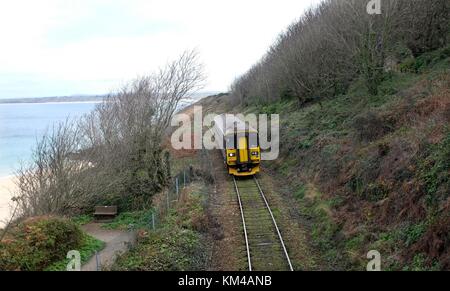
(64, 47)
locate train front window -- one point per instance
(253, 140)
(229, 142)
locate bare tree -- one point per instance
(113, 154)
(336, 42)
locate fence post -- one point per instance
(184, 178)
(176, 184)
(153, 220)
(167, 198)
(97, 261)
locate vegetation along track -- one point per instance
(265, 246)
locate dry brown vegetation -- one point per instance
(336, 42)
(366, 152)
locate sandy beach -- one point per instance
(6, 189)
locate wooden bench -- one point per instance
(105, 213)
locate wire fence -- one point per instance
(171, 196)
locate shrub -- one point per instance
(176, 245)
(409, 65)
(88, 248)
(36, 243)
(425, 61)
(167, 249)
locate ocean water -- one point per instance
(21, 125)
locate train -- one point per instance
(239, 144)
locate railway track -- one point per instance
(265, 248)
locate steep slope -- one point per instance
(371, 172)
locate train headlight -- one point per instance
(231, 155)
(255, 154)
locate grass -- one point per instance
(131, 220)
(83, 219)
(435, 171)
(419, 264)
(176, 245)
(370, 154)
(167, 249)
(323, 229)
(88, 247)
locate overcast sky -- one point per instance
(55, 48)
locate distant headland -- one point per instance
(56, 99)
(87, 98)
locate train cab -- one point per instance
(239, 145)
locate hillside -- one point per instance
(370, 171)
(363, 99)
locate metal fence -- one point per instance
(171, 197)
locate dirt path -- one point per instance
(116, 243)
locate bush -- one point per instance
(424, 61)
(167, 249)
(87, 249)
(37, 243)
(176, 245)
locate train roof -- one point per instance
(226, 124)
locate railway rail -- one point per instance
(265, 248)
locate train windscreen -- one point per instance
(252, 140)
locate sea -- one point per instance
(22, 124)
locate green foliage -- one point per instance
(376, 191)
(435, 171)
(419, 263)
(323, 228)
(413, 233)
(168, 249)
(425, 61)
(177, 245)
(89, 246)
(356, 185)
(36, 244)
(306, 143)
(356, 242)
(134, 220)
(274, 108)
(287, 94)
(395, 160)
(371, 62)
(406, 235)
(409, 65)
(82, 219)
(300, 193)
(396, 240)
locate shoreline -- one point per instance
(6, 192)
(51, 102)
